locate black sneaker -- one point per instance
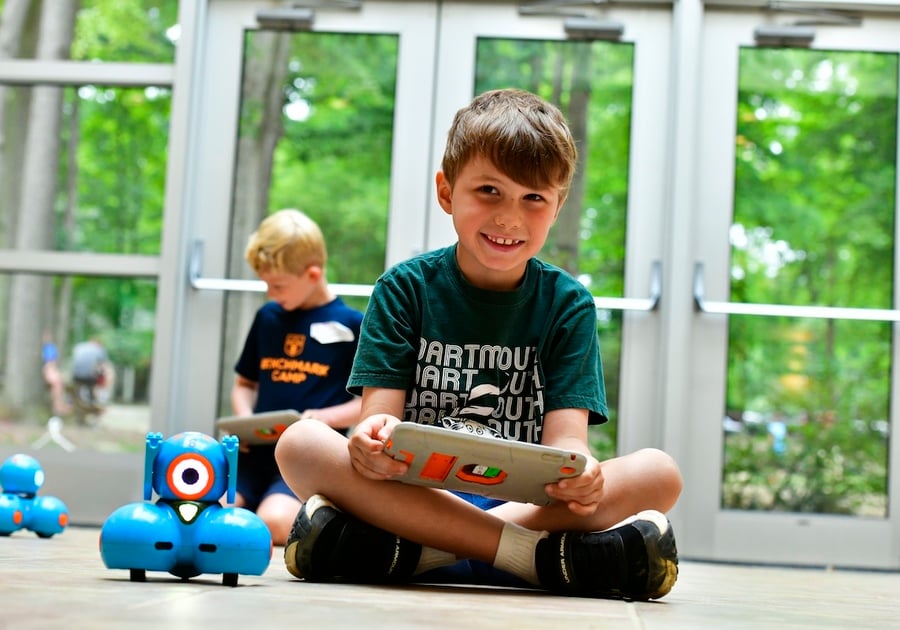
(636, 559)
(327, 545)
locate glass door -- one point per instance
(86, 108)
(329, 105)
(609, 75)
(795, 285)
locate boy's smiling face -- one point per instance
(500, 224)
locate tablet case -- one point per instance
(258, 428)
(480, 464)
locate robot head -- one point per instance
(190, 466)
(21, 474)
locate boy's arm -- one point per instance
(382, 400)
(341, 416)
(382, 409)
(243, 396)
(567, 428)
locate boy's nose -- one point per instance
(507, 218)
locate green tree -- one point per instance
(108, 155)
(316, 124)
(814, 225)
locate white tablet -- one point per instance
(480, 464)
(258, 428)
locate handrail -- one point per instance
(650, 303)
(786, 310)
(195, 270)
(195, 274)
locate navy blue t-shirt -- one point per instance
(301, 359)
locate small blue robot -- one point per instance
(187, 531)
(21, 476)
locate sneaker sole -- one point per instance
(302, 531)
(660, 542)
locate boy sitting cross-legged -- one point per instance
(484, 331)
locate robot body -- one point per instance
(21, 476)
(187, 532)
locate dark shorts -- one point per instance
(258, 476)
(473, 571)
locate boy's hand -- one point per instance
(366, 447)
(582, 493)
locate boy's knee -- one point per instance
(283, 445)
(299, 433)
(666, 471)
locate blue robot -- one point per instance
(187, 531)
(21, 476)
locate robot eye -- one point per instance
(190, 476)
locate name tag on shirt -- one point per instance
(330, 332)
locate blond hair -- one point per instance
(286, 241)
(521, 134)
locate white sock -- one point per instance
(432, 558)
(515, 553)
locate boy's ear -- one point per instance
(444, 192)
(559, 207)
(314, 272)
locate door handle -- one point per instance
(650, 303)
(701, 305)
(195, 271)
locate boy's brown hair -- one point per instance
(521, 134)
(286, 241)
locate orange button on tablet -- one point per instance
(438, 466)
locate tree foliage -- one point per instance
(334, 105)
(335, 159)
(110, 160)
(814, 223)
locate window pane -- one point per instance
(815, 189)
(103, 30)
(83, 168)
(120, 314)
(316, 137)
(591, 82)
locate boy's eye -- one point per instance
(534, 197)
(488, 189)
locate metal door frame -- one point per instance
(733, 535)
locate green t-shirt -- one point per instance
(501, 358)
